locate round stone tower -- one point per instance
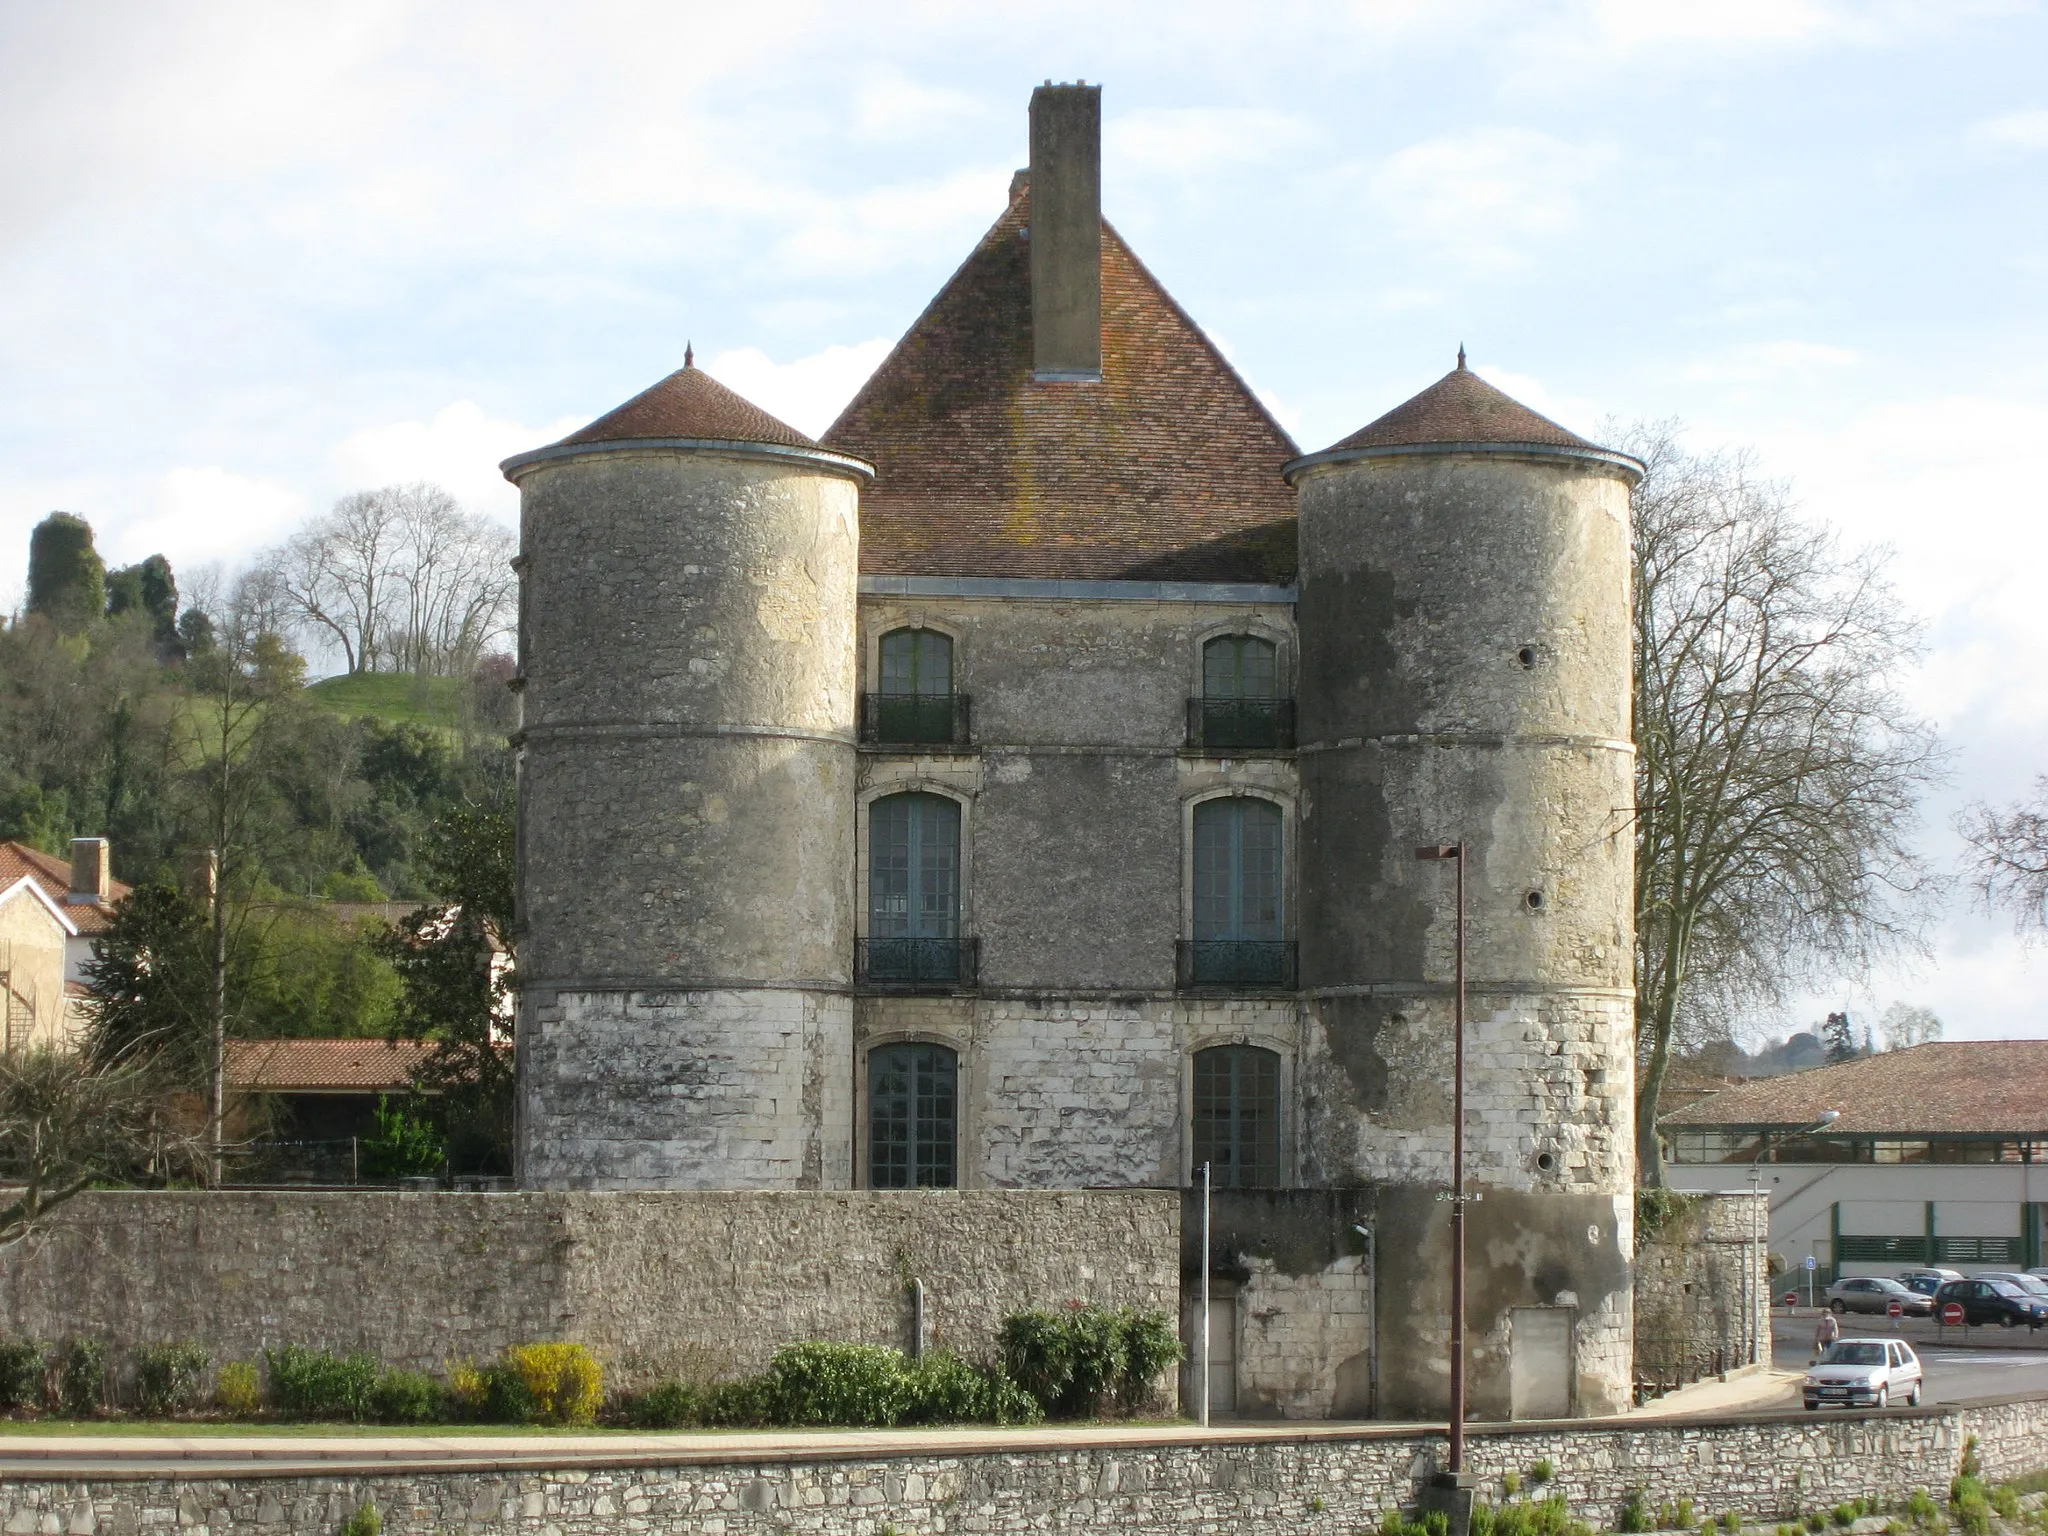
(1465, 677)
(688, 571)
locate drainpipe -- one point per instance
(917, 1319)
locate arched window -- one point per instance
(913, 890)
(1242, 703)
(915, 701)
(911, 1117)
(1237, 1116)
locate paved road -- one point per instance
(1995, 1363)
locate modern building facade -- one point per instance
(1939, 1156)
(1020, 786)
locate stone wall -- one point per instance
(1329, 1483)
(704, 1283)
(1702, 1290)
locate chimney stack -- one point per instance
(92, 871)
(1066, 231)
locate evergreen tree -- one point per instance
(1839, 1038)
(67, 580)
(151, 589)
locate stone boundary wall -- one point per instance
(1304, 1483)
(705, 1284)
(1703, 1289)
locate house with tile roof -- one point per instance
(1937, 1155)
(1020, 786)
(50, 912)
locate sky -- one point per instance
(253, 257)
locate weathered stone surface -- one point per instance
(706, 1283)
(1330, 1485)
(1702, 1289)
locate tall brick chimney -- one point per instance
(1066, 231)
(92, 872)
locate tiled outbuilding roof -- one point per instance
(689, 403)
(1950, 1088)
(1166, 469)
(324, 1066)
(1460, 407)
(54, 876)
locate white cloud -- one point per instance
(2014, 130)
(876, 229)
(459, 450)
(807, 392)
(1768, 361)
(1193, 140)
(1573, 412)
(206, 513)
(1482, 198)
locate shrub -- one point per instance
(944, 1389)
(82, 1377)
(1510, 1484)
(669, 1404)
(23, 1365)
(564, 1383)
(856, 1384)
(1634, 1516)
(2006, 1500)
(741, 1404)
(1435, 1523)
(167, 1377)
(1971, 1467)
(364, 1522)
(238, 1390)
(407, 1397)
(1921, 1507)
(1845, 1514)
(1817, 1521)
(403, 1145)
(314, 1384)
(1541, 1472)
(1086, 1361)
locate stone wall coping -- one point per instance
(135, 1458)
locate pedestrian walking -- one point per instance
(1826, 1334)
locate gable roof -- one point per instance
(329, 1066)
(1167, 469)
(689, 403)
(1460, 407)
(1949, 1088)
(52, 877)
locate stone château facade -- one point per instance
(1019, 788)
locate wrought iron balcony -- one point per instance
(914, 963)
(1266, 964)
(914, 719)
(1226, 725)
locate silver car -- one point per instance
(1863, 1373)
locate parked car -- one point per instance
(2039, 1274)
(1867, 1293)
(2033, 1285)
(1993, 1301)
(1869, 1373)
(1927, 1281)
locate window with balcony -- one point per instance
(1237, 1116)
(914, 894)
(1242, 707)
(911, 1117)
(1239, 937)
(915, 704)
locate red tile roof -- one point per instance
(1460, 407)
(689, 403)
(329, 1066)
(54, 876)
(1168, 469)
(1950, 1088)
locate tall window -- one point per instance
(911, 1117)
(915, 702)
(1237, 1116)
(913, 889)
(1238, 884)
(1241, 703)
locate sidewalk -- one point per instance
(1754, 1389)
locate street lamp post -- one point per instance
(1455, 852)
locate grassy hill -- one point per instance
(434, 702)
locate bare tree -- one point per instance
(400, 579)
(1778, 770)
(2009, 851)
(68, 1122)
(1905, 1024)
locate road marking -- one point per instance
(1986, 1359)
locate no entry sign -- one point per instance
(1897, 1308)
(1952, 1313)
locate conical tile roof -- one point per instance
(689, 403)
(1167, 469)
(1460, 407)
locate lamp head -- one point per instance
(1440, 851)
(1827, 1117)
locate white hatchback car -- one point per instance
(1863, 1373)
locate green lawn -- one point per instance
(435, 702)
